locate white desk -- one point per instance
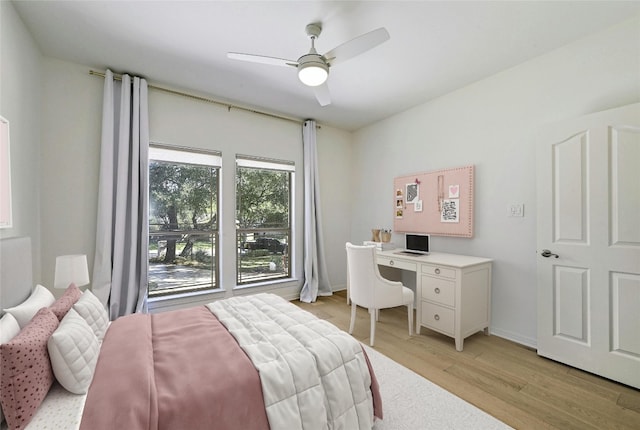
(453, 291)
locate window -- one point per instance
(183, 220)
(263, 217)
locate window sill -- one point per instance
(287, 288)
(193, 294)
(274, 282)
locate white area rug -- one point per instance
(411, 402)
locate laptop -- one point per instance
(416, 244)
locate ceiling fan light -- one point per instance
(313, 75)
(312, 72)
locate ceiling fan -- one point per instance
(313, 68)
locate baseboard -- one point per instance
(339, 287)
(515, 337)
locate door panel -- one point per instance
(588, 186)
(571, 313)
(570, 176)
(625, 301)
(625, 187)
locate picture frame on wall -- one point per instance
(412, 193)
(6, 218)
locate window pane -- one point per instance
(182, 196)
(183, 227)
(263, 199)
(262, 255)
(190, 266)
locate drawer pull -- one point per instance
(391, 263)
(437, 290)
(436, 317)
(437, 271)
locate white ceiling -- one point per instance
(435, 47)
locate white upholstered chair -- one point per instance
(367, 288)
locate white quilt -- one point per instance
(314, 375)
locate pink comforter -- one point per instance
(175, 370)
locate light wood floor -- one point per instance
(505, 379)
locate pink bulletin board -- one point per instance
(438, 203)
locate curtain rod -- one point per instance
(118, 77)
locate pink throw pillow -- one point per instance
(61, 306)
(26, 373)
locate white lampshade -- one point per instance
(313, 76)
(71, 269)
(312, 71)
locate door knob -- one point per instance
(546, 253)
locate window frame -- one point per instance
(195, 157)
(248, 161)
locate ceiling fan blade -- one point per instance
(261, 59)
(357, 46)
(322, 94)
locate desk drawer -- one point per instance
(438, 318)
(439, 290)
(445, 272)
(400, 264)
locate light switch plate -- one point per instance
(515, 210)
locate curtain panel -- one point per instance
(316, 278)
(121, 260)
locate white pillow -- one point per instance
(73, 350)
(39, 298)
(90, 308)
(9, 328)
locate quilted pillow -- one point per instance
(90, 308)
(74, 349)
(61, 306)
(39, 298)
(26, 374)
(9, 328)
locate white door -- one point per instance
(588, 234)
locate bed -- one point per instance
(247, 362)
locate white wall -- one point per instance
(335, 160)
(72, 106)
(70, 156)
(492, 124)
(20, 94)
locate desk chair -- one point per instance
(370, 290)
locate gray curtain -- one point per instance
(120, 265)
(316, 278)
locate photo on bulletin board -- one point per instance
(450, 210)
(412, 193)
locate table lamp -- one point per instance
(71, 269)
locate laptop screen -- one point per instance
(417, 243)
